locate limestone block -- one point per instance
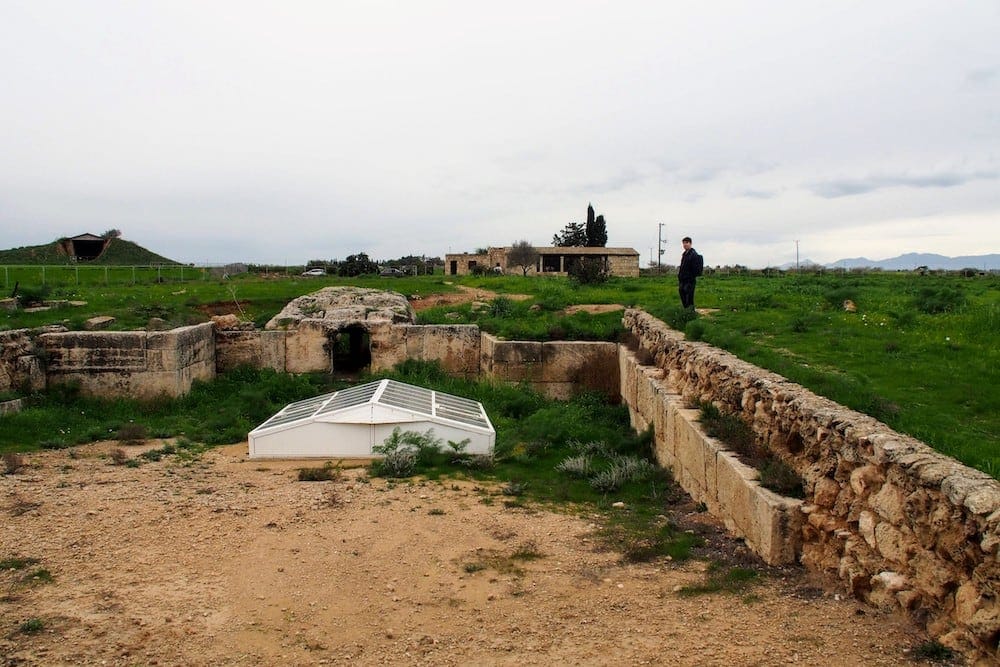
(734, 490)
(84, 351)
(591, 365)
(776, 526)
(967, 602)
(892, 544)
(933, 575)
(517, 352)
(646, 393)
(865, 479)
(307, 348)
(690, 449)
(628, 370)
(388, 345)
(260, 349)
(888, 504)
(826, 491)
(98, 323)
(228, 321)
(866, 528)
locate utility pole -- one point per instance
(796, 256)
(659, 245)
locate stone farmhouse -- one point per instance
(552, 261)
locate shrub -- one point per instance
(576, 466)
(933, 300)
(131, 434)
(589, 271)
(325, 473)
(32, 626)
(404, 451)
(119, 457)
(501, 307)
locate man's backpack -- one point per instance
(698, 264)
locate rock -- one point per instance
(228, 321)
(345, 304)
(99, 322)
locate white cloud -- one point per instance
(270, 132)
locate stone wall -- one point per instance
(137, 364)
(557, 369)
(454, 346)
(20, 367)
(900, 525)
(250, 347)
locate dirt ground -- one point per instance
(464, 294)
(231, 561)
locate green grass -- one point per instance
(921, 353)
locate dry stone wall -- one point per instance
(899, 524)
(20, 366)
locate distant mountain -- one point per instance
(909, 262)
(912, 260)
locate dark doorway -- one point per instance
(85, 250)
(454, 267)
(350, 350)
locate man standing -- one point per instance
(690, 268)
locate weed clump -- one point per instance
(31, 626)
(325, 473)
(775, 474)
(131, 434)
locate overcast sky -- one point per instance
(278, 132)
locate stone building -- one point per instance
(552, 261)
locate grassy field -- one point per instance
(918, 352)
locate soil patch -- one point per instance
(594, 308)
(463, 295)
(225, 560)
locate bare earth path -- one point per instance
(228, 561)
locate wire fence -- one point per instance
(69, 275)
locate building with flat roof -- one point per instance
(552, 261)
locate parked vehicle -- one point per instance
(390, 271)
(314, 272)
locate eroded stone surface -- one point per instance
(345, 305)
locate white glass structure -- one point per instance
(347, 423)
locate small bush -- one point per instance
(589, 271)
(119, 457)
(933, 651)
(32, 626)
(501, 307)
(576, 466)
(404, 452)
(935, 300)
(325, 473)
(131, 434)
